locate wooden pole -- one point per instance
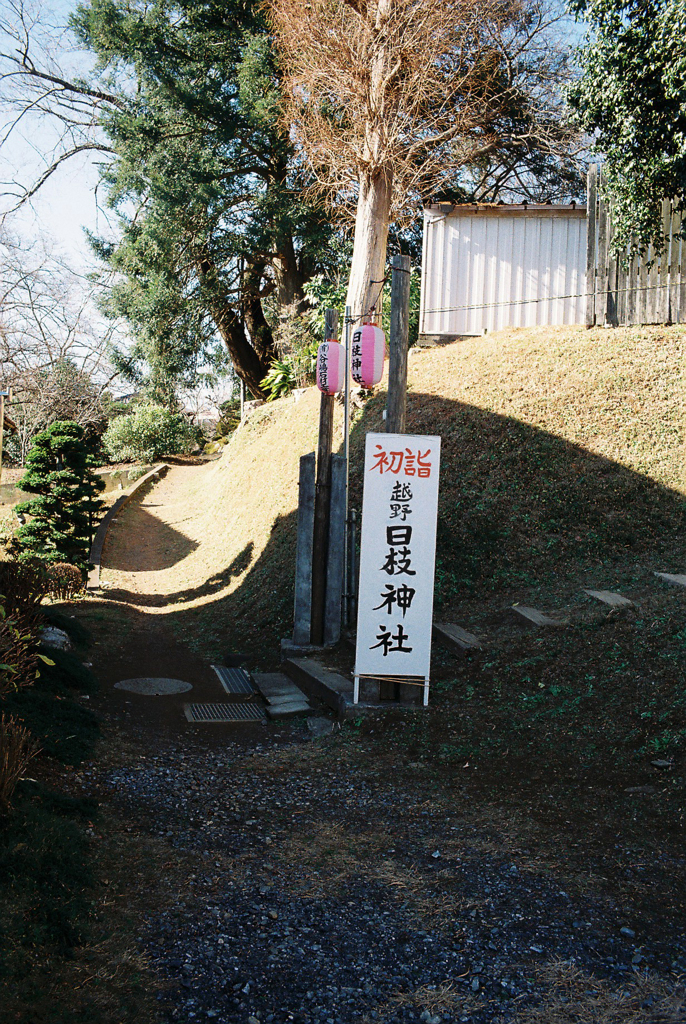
(321, 502)
(400, 330)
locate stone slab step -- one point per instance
(452, 636)
(288, 709)
(323, 684)
(677, 579)
(532, 617)
(276, 687)
(609, 597)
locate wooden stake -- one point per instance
(398, 342)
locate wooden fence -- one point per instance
(648, 290)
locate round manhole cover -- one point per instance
(153, 687)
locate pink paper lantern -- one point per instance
(331, 367)
(367, 354)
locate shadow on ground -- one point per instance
(519, 508)
(171, 546)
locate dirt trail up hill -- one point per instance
(511, 855)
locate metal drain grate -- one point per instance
(234, 680)
(224, 712)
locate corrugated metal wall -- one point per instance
(492, 267)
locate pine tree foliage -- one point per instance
(64, 510)
(206, 184)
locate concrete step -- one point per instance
(289, 709)
(609, 597)
(678, 579)
(323, 684)
(452, 636)
(283, 697)
(532, 617)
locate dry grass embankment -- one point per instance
(563, 464)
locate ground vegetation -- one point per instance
(631, 97)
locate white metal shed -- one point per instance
(490, 266)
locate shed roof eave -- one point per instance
(506, 209)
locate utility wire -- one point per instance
(544, 298)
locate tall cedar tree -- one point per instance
(394, 100)
(204, 179)
(63, 513)
(632, 96)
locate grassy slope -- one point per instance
(563, 466)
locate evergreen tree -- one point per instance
(60, 474)
(632, 98)
(206, 183)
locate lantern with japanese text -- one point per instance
(331, 367)
(367, 355)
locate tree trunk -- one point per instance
(259, 330)
(289, 276)
(248, 364)
(369, 248)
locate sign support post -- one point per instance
(398, 344)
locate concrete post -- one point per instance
(303, 551)
(335, 560)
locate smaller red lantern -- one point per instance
(330, 367)
(367, 354)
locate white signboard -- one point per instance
(399, 509)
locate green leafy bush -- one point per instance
(150, 433)
(280, 380)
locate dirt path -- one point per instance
(146, 560)
(153, 562)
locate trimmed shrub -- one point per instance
(63, 513)
(148, 434)
(17, 748)
(64, 580)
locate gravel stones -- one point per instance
(315, 897)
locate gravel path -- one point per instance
(321, 891)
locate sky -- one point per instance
(68, 202)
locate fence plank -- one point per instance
(601, 275)
(622, 287)
(591, 252)
(632, 281)
(653, 288)
(662, 305)
(611, 317)
(675, 312)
